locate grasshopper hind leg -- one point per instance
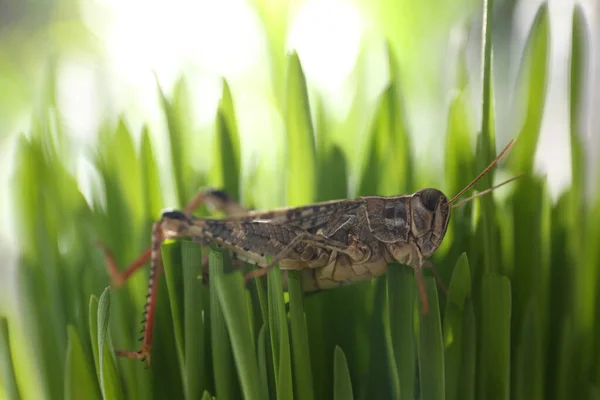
(216, 200)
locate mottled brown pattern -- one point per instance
(342, 241)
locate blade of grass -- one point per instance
(401, 296)
(487, 141)
(583, 233)
(7, 373)
(531, 276)
(280, 344)
(528, 367)
(487, 121)
(93, 325)
(150, 180)
(207, 396)
(225, 172)
(431, 347)
(579, 77)
(532, 85)
(388, 163)
(230, 290)
(79, 378)
(300, 135)
(173, 267)
(566, 381)
(261, 294)
(262, 362)
(454, 320)
(226, 382)
(466, 379)
(179, 156)
(494, 380)
(303, 382)
(379, 383)
(193, 309)
(109, 377)
(342, 384)
(275, 18)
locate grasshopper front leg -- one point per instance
(410, 255)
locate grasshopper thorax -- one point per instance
(430, 215)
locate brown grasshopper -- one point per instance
(332, 243)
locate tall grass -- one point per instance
(520, 319)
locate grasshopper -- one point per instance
(332, 243)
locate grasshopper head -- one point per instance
(430, 211)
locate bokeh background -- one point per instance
(99, 62)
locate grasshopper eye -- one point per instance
(430, 198)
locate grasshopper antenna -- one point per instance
(485, 171)
(460, 203)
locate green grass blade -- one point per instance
(93, 325)
(401, 299)
(579, 76)
(342, 384)
(275, 19)
(79, 378)
(226, 382)
(103, 314)
(431, 347)
(7, 373)
(380, 380)
(583, 233)
(495, 338)
(532, 84)
(262, 362)
(458, 166)
(150, 180)
(207, 396)
(195, 353)
(176, 141)
(486, 142)
(300, 135)
(173, 267)
(262, 297)
(454, 319)
(230, 290)
(528, 367)
(387, 168)
(467, 383)
(530, 279)
(225, 172)
(278, 324)
(109, 377)
(303, 381)
(487, 120)
(567, 366)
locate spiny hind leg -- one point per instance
(216, 200)
(156, 267)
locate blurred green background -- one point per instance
(111, 111)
